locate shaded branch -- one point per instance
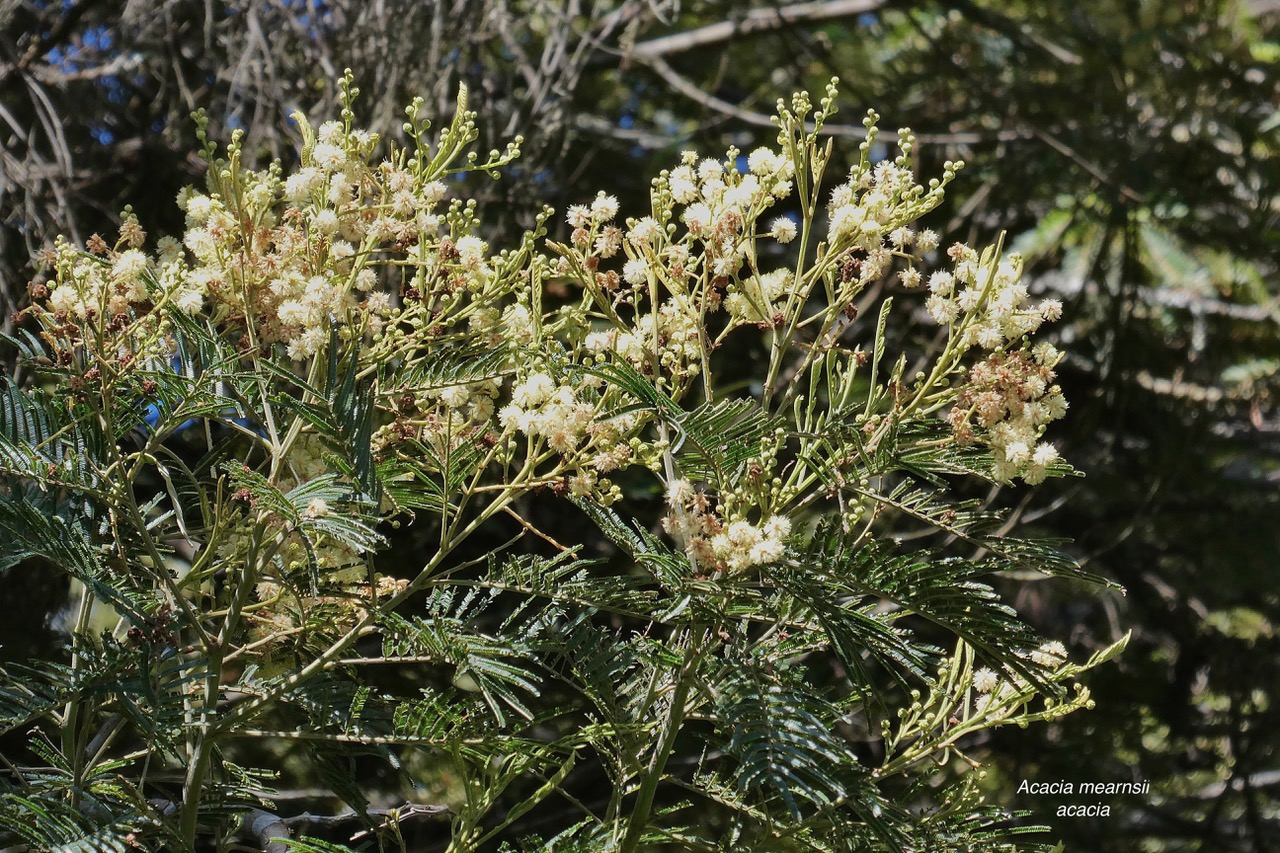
(270, 831)
(391, 817)
(755, 21)
(267, 830)
(682, 85)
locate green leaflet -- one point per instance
(710, 441)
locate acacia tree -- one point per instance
(1128, 147)
(222, 429)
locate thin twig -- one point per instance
(754, 21)
(677, 82)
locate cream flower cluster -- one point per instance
(722, 204)
(985, 681)
(691, 271)
(734, 546)
(990, 297)
(563, 424)
(864, 210)
(754, 300)
(1051, 654)
(742, 544)
(871, 212)
(711, 191)
(285, 261)
(106, 284)
(677, 331)
(672, 336)
(288, 258)
(1006, 402)
(291, 255)
(995, 690)
(338, 562)
(305, 462)
(540, 408)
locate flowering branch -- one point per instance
(328, 354)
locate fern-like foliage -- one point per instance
(641, 598)
(710, 441)
(949, 591)
(32, 533)
(782, 742)
(52, 825)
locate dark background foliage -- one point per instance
(1129, 147)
